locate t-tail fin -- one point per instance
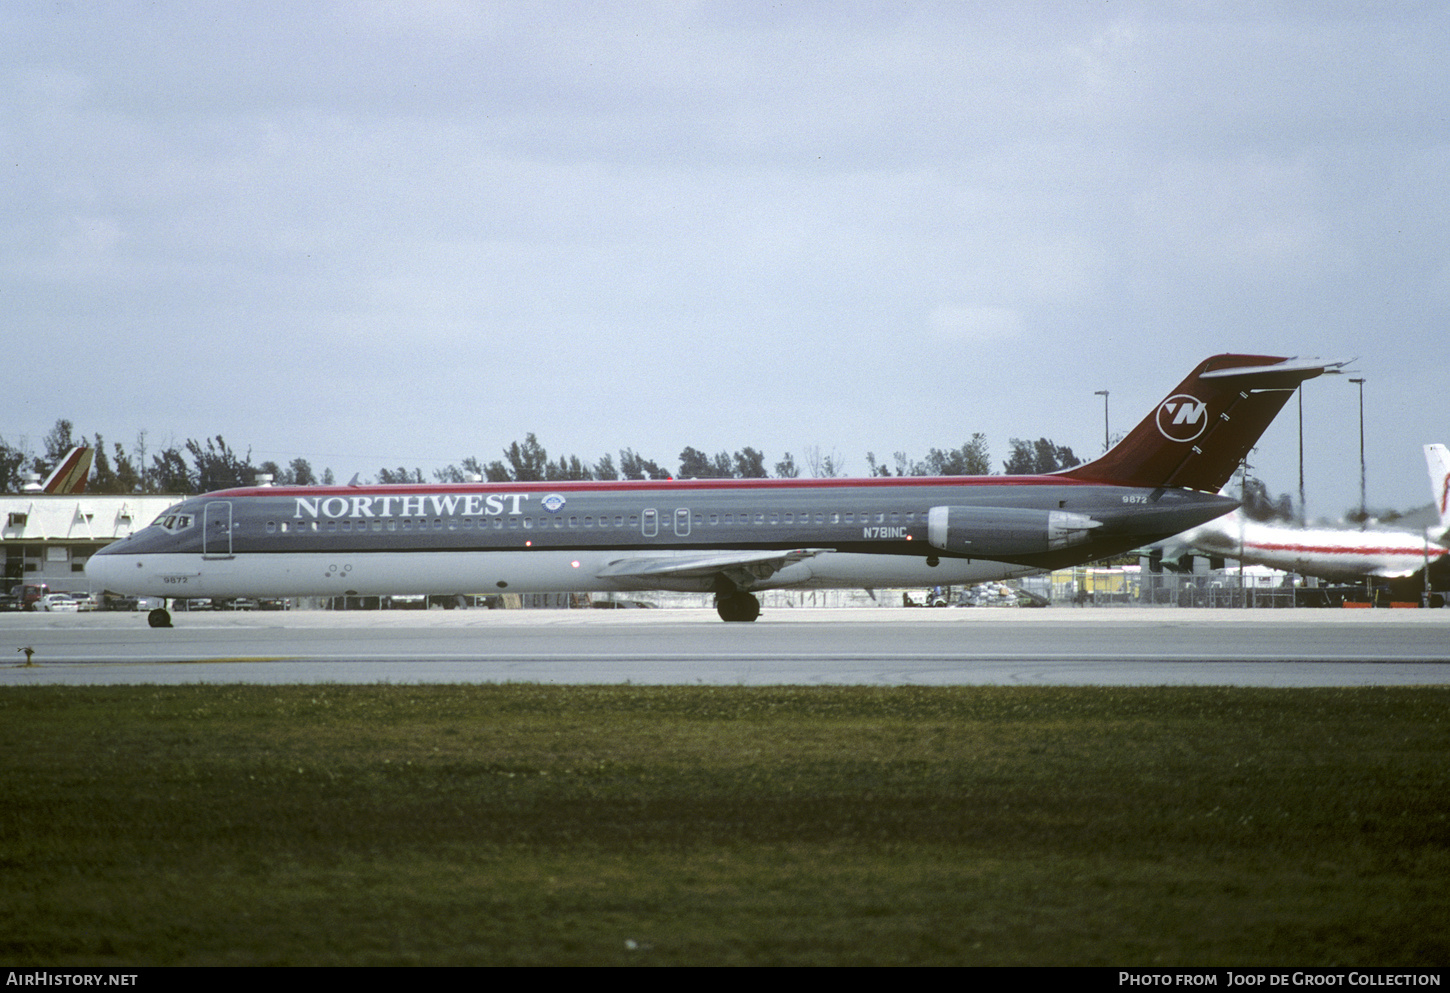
(1197, 435)
(72, 473)
(1438, 460)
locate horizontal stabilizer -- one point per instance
(1298, 369)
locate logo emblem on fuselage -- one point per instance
(553, 503)
(1182, 417)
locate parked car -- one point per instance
(57, 603)
(28, 595)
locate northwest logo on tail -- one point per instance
(1182, 417)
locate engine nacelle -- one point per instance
(1004, 532)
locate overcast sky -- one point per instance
(377, 234)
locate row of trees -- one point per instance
(193, 467)
(529, 461)
(212, 464)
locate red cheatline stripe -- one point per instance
(1418, 552)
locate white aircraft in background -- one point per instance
(1335, 553)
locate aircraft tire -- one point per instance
(159, 618)
(738, 607)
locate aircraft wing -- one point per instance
(745, 569)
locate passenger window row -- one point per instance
(573, 522)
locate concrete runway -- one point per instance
(884, 647)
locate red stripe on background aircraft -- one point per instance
(727, 537)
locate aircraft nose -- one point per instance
(107, 571)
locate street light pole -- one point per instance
(1104, 395)
(1303, 511)
(1363, 512)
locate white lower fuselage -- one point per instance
(542, 571)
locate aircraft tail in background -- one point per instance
(1437, 458)
(1197, 435)
(72, 473)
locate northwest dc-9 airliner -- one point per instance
(729, 537)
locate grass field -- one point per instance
(602, 825)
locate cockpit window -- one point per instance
(173, 522)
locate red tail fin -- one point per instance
(1197, 435)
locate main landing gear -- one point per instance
(737, 606)
(159, 618)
